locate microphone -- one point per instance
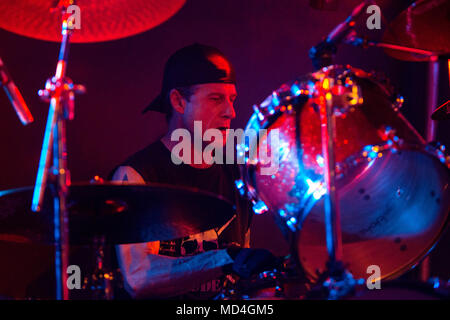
(14, 96)
(322, 53)
(340, 32)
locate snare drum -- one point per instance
(392, 187)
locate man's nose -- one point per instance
(229, 110)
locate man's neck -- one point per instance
(195, 153)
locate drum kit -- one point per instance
(357, 185)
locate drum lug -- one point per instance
(399, 100)
(438, 150)
(259, 207)
(240, 186)
(258, 113)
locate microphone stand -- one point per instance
(60, 92)
(14, 96)
(336, 281)
(323, 53)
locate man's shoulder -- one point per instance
(140, 164)
(126, 174)
(151, 153)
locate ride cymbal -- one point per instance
(424, 25)
(119, 213)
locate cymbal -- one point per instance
(424, 25)
(442, 112)
(120, 213)
(100, 20)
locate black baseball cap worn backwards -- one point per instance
(191, 65)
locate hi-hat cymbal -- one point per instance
(119, 213)
(424, 25)
(100, 20)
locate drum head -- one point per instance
(391, 216)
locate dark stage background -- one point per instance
(268, 43)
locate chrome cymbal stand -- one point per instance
(336, 281)
(60, 92)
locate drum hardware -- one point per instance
(354, 161)
(439, 151)
(423, 25)
(44, 22)
(322, 54)
(376, 148)
(421, 15)
(101, 282)
(339, 281)
(14, 95)
(442, 112)
(102, 214)
(60, 90)
(239, 289)
(114, 213)
(363, 42)
(284, 282)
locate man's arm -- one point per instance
(149, 275)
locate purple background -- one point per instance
(267, 41)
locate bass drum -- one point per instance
(393, 188)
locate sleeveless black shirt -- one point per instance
(154, 164)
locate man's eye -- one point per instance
(216, 98)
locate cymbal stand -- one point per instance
(336, 282)
(60, 92)
(101, 282)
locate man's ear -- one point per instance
(177, 101)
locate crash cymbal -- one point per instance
(120, 213)
(100, 20)
(424, 25)
(442, 112)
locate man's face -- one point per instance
(213, 105)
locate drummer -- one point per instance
(199, 84)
